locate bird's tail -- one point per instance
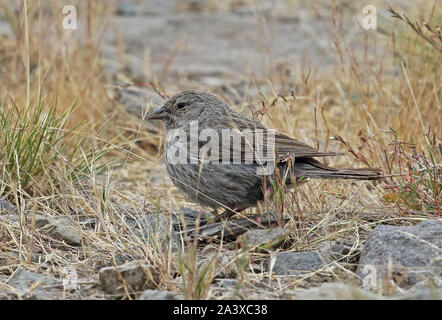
(311, 168)
(350, 173)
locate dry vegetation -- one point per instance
(68, 149)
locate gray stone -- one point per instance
(226, 283)
(423, 294)
(35, 286)
(6, 207)
(189, 216)
(340, 250)
(429, 283)
(59, 229)
(154, 228)
(224, 263)
(334, 291)
(264, 238)
(152, 225)
(160, 295)
(412, 252)
(297, 263)
(137, 276)
(227, 265)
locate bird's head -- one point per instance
(187, 106)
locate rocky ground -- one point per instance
(405, 260)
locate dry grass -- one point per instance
(380, 107)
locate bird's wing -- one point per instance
(283, 144)
(257, 144)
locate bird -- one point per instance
(224, 173)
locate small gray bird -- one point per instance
(216, 178)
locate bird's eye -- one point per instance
(181, 105)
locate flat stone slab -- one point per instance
(134, 276)
(34, 286)
(59, 229)
(297, 263)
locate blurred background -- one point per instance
(124, 51)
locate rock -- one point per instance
(296, 263)
(6, 207)
(189, 216)
(226, 283)
(59, 229)
(264, 238)
(35, 286)
(423, 294)
(412, 252)
(431, 283)
(227, 265)
(154, 228)
(160, 295)
(340, 250)
(224, 264)
(152, 224)
(334, 291)
(137, 276)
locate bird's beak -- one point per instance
(158, 114)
